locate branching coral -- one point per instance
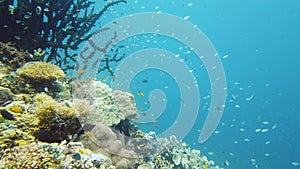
(59, 26)
(109, 59)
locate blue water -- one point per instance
(258, 43)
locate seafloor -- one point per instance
(51, 121)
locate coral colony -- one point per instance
(43, 124)
(58, 26)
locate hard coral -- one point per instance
(41, 72)
(14, 57)
(125, 103)
(184, 157)
(53, 25)
(113, 143)
(55, 119)
(14, 137)
(41, 77)
(35, 156)
(100, 107)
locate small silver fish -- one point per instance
(27, 16)
(38, 10)
(17, 37)
(226, 163)
(11, 9)
(69, 27)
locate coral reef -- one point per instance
(80, 157)
(55, 119)
(97, 118)
(44, 77)
(183, 157)
(11, 137)
(100, 107)
(41, 72)
(43, 155)
(113, 145)
(147, 144)
(11, 81)
(47, 24)
(32, 78)
(13, 57)
(34, 155)
(125, 103)
(105, 139)
(96, 102)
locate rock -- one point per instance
(6, 96)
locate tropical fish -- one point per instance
(7, 115)
(46, 136)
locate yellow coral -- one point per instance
(53, 116)
(40, 71)
(46, 107)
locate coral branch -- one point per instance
(58, 26)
